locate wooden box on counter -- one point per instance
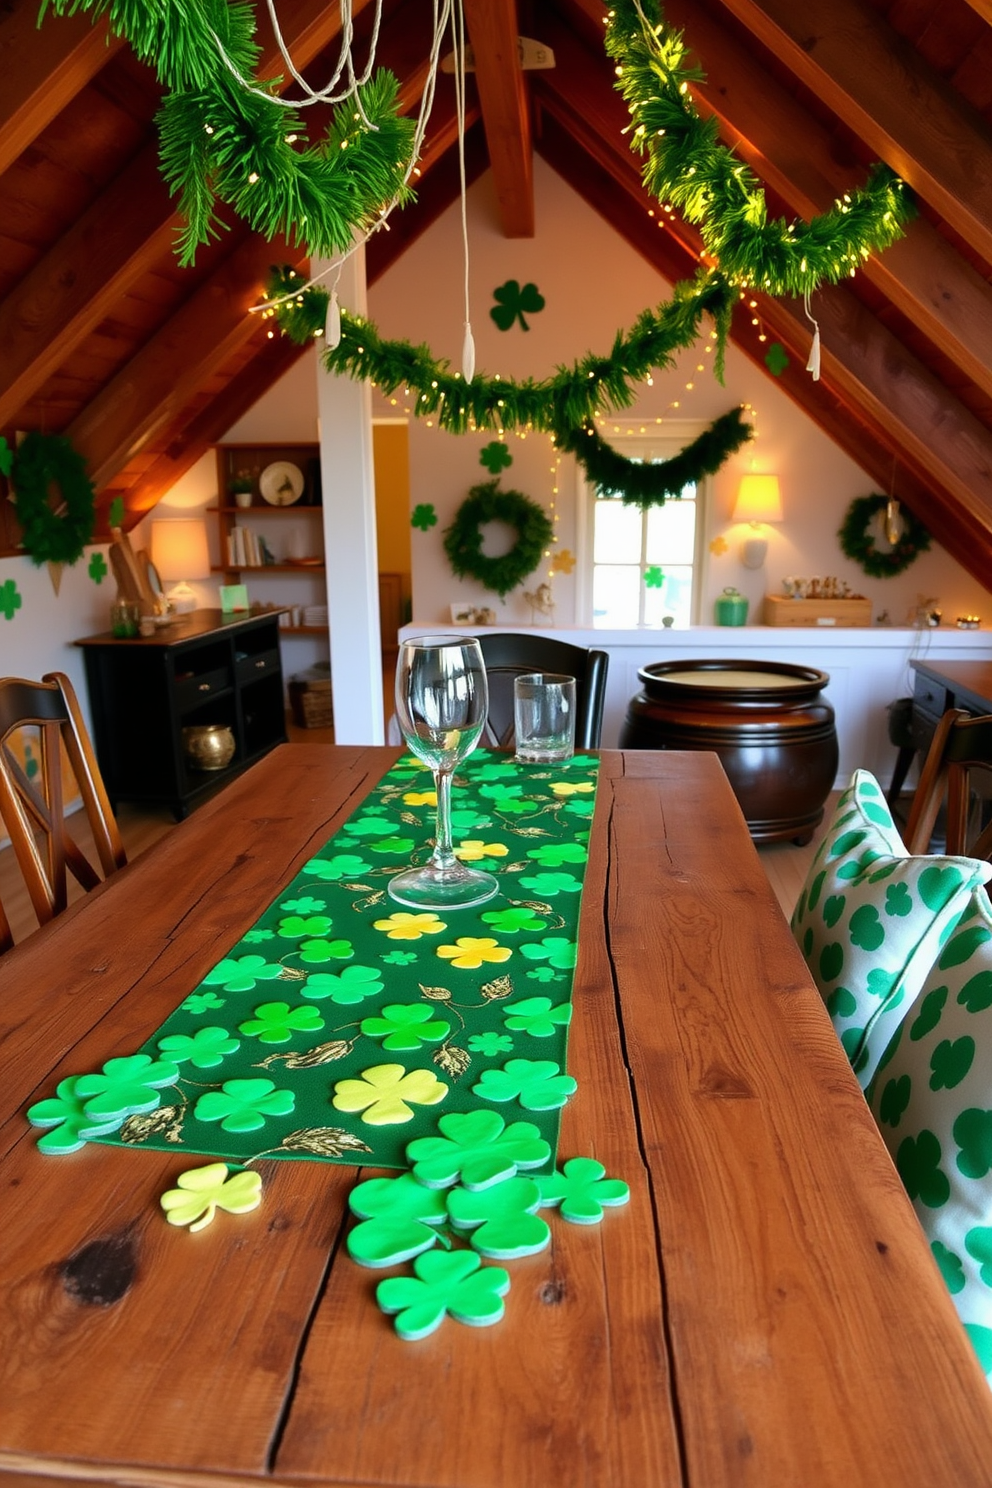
(780, 609)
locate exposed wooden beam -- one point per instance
(982, 8)
(41, 70)
(923, 275)
(437, 187)
(122, 234)
(872, 79)
(494, 32)
(155, 384)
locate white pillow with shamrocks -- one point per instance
(871, 920)
(932, 1099)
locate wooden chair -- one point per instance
(32, 808)
(961, 751)
(508, 655)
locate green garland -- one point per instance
(222, 141)
(463, 539)
(643, 483)
(40, 460)
(687, 168)
(857, 543)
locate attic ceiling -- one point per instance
(145, 365)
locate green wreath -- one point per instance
(463, 539)
(857, 542)
(647, 483)
(52, 536)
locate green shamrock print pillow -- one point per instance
(932, 1099)
(871, 920)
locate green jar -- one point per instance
(731, 608)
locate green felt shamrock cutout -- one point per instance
(556, 854)
(495, 457)
(71, 1125)
(242, 974)
(495, 770)
(580, 807)
(653, 577)
(536, 1083)
(10, 599)
(455, 1283)
(296, 927)
(500, 792)
(307, 904)
(202, 1002)
(126, 1087)
(951, 1268)
(490, 1044)
(544, 974)
(464, 820)
(424, 516)
(403, 1025)
(385, 1092)
(512, 301)
(476, 1148)
(548, 885)
(203, 1049)
(501, 1218)
(97, 569)
(346, 987)
(582, 1190)
(511, 921)
(918, 1163)
(401, 1218)
(397, 846)
(972, 1131)
(398, 958)
(243, 1105)
(557, 950)
(317, 951)
(202, 1191)
(276, 1022)
(342, 865)
(776, 359)
(115, 515)
(537, 1017)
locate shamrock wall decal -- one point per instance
(424, 516)
(10, 599)
(512, 301)
(653, 577)
(98, 568)
(775, 359)
(495, 457)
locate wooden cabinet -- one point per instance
(205, 668)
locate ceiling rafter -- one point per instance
(494, 33)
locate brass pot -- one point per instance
(208, 746)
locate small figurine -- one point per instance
(541, 601)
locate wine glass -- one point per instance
(442, 699)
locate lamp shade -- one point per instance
(758, 499)
(179, 549)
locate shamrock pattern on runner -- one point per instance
(335, 980)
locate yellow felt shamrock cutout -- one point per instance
(563, 561)
(403, 926)
(383, 1091)
(469, 952)
(472, 849)
(420, 798)
(202, 1191)
(719, 546)
(570, 788)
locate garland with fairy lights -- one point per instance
(857, 542)
(222, 141)
(39, 461)
(645, 483)
(686, 167)
(463, 539)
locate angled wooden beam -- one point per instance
(125, 230)
(982, 8)
(872, 79)
(923, 275)
(494, 32)
(41, 70)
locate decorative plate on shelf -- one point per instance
(281, 483)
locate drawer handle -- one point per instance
(203, 687)
(260, 666)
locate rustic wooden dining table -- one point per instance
(764, 1311)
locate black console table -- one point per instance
(948, 684)
(202, 668)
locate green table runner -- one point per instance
(341, 1026)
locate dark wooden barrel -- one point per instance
(766, 720)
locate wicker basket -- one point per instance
(310, 698)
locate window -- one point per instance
(642, 567)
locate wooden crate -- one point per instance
(779, 609)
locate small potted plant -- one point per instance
(240, 486)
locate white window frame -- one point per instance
(660, 445)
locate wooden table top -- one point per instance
(764, 1312)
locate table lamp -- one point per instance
(758, 501)
(179, 552)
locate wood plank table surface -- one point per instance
(764, 1312)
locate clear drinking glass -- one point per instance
(442, 699)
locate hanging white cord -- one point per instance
(458, 36)
(813, 365)
(314, 95)
(332, 322)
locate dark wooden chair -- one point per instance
(960, 754)
(510, 654)
(32, 807)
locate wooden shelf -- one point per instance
(257, 568)
(264, 509)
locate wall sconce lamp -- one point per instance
(758, 501)
(179, 553)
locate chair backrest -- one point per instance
(510, 654)
(960, 754)
(32, 807)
